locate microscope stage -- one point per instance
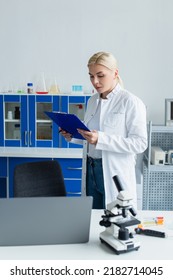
(126, 222)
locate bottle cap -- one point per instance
(29, 84)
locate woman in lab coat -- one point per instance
(117, 122)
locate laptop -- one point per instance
(45, 220)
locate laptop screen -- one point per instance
(45, 220)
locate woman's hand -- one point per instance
(90, 136)
(65, 134)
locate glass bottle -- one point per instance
(17, 113)
(29, 88)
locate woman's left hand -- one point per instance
(90, 136)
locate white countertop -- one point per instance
(151, 248)
(40, 152)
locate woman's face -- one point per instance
(103, 79)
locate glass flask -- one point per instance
(54, 89)
(41, 86)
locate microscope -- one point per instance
(118, 216)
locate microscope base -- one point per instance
(119, 246)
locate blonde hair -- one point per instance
(106, 59)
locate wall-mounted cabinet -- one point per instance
(23, 122)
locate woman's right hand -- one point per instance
(65, 134)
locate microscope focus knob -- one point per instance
(105, 223)
(131, 235)
(123, 234)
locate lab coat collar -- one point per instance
(112, 93)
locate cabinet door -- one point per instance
(44, 130)
(63, 108)
(1, 121)
(24, 121)
(73, 105)
(55, 129)
(37, 129)
(12, 120)
(3, 177)
(27, 115)
(15, 121)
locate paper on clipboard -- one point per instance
(68, 122)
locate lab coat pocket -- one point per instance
(115, 122)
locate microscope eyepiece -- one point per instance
(133, 211)
(118, 183)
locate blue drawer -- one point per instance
(3, 167)
(71, 168)
(73, 187)
(3, 188)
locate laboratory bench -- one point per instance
(151, 248)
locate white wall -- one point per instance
(58, 36)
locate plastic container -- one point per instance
(16, 132)
(10, 115)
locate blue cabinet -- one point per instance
(24, 123)
(3, 177)
(72, 172)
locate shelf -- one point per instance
(44, 121)
(161, 168)
(162, 128)
(12, 121)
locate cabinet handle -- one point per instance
(30, 140)
(26, 134)
(74, 193)
(74, 168)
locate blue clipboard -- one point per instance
(68, 122)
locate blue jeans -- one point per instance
(95, 182)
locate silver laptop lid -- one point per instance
(45, 220)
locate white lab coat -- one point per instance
(122, 135)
